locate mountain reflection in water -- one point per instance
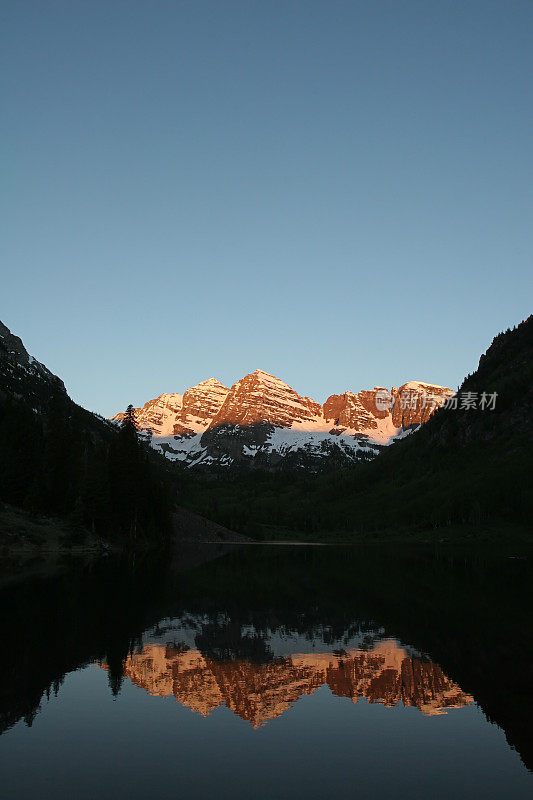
(259, 693)
(258, 629)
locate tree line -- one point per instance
(100, 479)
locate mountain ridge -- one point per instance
(261, 421)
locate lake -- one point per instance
(270, 672)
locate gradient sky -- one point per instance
(339, 193)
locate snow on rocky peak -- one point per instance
(262, 421)
(158, 416)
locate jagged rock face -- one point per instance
(158, 415)
(358, 412)
(260, 397)
(176, 414)
(261, 691)
(262, 422)
(411, 404)
(369, 401)
(200, 404)
(21, 375)
(415, 402)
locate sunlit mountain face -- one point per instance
(263, 422)
(260, 691)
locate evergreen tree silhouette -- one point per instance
(126, 476)
(130, 418)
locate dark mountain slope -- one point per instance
(23, 376)
(464, 467)
(24, 379)
(58, 459)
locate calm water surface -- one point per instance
(264, 672)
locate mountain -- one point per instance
(201, 403)
(23, 376)
(59, 460)
(469, 465)
(263, 422)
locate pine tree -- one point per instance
(130, 418)
(128, 487)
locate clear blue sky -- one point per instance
(339, 193)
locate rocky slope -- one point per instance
(23, 376)
(158, 415)
(25, 380)
(201, 403)
(263, 422)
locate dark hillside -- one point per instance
(58, 459)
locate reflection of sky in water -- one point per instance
(138, 746)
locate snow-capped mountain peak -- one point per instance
(261, 421)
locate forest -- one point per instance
(98, 478)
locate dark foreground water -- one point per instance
(270, 672)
